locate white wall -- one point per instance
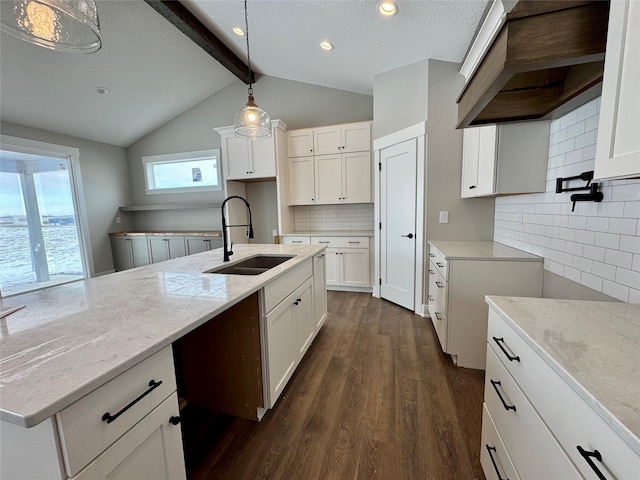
(334, 217)
(598, 245)
(104, 173)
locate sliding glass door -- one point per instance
(40, 240)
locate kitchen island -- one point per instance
(71, 341)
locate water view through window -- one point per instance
(39, 231)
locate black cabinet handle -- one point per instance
(440, 284)
(495, 384)
(490, 449)
(432, 255)
(175, 420)
(431, 298)
(441, 265)
(509, 356)
(410, 235)
(107, 417)
(438, 316)
(431, 272)
(587, 456)
(472, 187)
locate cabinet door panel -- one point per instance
(301, 181)
(176, 246)
(300, 143)
(356, 137)
(355, 267)
(151, 449)
(471, 143)
(158, 248)
(356, 177)
(263, 156)
(332, 266)
(304, 324)
(237, 155)
(328, 170)
(140, 250)
(327, 140)
(486, 160)
(280, 351)
(196, 245)
(319, 290)
(122, 254)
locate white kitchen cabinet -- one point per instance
(319, 290)
(343, 178)
(151, 449)
(295, 240)
(505, 159)
(130, 251)
(348, 267)
(300, 143)
(301, 181)
(460, 275)
(618, 147)
(166, 247)
(248, 159)
(199, 243)
(556, 417)
(345, 138)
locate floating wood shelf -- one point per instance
(176, 206)
(546, 54)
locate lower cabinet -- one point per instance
(319, 290)
(348, 267)
(165, 248)
(197, 244)
(130, 251)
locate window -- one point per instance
(183, 172)
(40, 235)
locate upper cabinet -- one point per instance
(505, 159)
(352, 137)
(247, 159)
(330, 165)
(618, 148)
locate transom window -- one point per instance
(183, 172)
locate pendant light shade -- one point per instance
(62, 25)
(251, 121)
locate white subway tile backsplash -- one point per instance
(598, 244)
(334, 217)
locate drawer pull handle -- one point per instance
(587, 456)
(353, 242)
(441, 265)
(324, 242)
(431, 272)
(440, 284)
(107, 417)
(296, 241)
(438, 316)
(495, 466)
(431, 298)
(432, 255)
(495, 384)
(509, 356)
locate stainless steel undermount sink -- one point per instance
(252, 266)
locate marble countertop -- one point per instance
(70, 339)
(216, 233)
(331, 233)
(600, 353)
(481, 250)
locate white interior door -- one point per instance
(398, 217)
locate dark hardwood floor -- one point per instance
(374, 398)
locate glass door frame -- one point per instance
(34, 147)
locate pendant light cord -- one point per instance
(246, 29)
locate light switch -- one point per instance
(444, 217)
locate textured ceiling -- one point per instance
(154, 72)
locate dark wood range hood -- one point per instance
(547, 53)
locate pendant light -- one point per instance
(62, 25)
(251, 121)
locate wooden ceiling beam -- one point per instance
(185, 21)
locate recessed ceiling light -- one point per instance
(238, 31)
(326, 45)
(102, 90)
(388, 8)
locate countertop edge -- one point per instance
(610, 419)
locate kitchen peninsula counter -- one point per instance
(70, 339)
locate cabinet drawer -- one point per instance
(573, 421)
(532, 447)
(438, 261)
(84, 434)
(438, 287)
(281, 287)
(494, 458)
(439, 320)
(295, 240)
(341, 242)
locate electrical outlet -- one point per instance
(444, 217)
(118, 220)
(274, 232)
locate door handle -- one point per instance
(408, 236)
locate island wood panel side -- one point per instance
(219, 363)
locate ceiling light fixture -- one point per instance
(62, 25)
(326, 44)
(238, 31)
(251, 121)
(388, 8)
